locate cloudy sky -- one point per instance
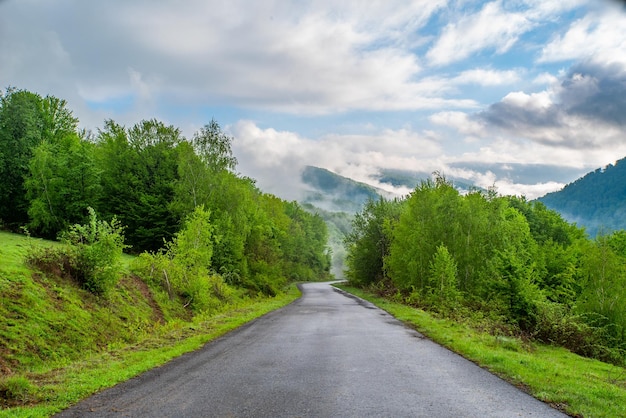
(527, 95)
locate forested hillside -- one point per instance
(512, 265)
(201, 241)
(596, 201)
(150, 179)
(336, 193)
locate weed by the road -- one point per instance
(576, 385)
(60, 343)
(59, 388)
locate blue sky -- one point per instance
(526, 95)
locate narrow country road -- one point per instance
(325, 355)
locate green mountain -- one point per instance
(336, 199)
(336, 193)
(596, 201)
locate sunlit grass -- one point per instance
(576, 385)
(59, 388)
(60, 343)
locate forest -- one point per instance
(200, 230)
(595, 201)
(502, 263)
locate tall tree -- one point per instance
(20, 132)
(63, 182)
(139, 169)
(369, 241)
(25, 120)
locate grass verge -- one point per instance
(576, 385)
(60, 344)
(57, 389)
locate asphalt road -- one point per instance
(325, 355)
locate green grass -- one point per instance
(576, 385)
(60, 344)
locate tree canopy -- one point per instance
(161, 188)
(502, 256)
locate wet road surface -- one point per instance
(325, 355)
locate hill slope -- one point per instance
(60, 343)
(336, 193)
(596, 201)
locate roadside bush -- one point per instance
(183, 267)
(52, 261)
(90, 255)
(96, 249)
(557, 325)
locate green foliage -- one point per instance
(26, 119)
(183, 269)
(516, 262)
(603, 292)
(95, 250)
(442, 289)
(90, 255)
(149, 178)
(139, 167)
(368, 241)
(515, 290)
(214, 147)
(63, 180)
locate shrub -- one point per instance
(183, 267)
(557, 325)
(96, 251)
(90, 256)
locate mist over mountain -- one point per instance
(335, 193)
(596, 201)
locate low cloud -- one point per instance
(276, 158)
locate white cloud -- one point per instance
(325, 62)
(534, 101)
(492, 27)
(275, 158)
(545, 79)
(459, 121)
(601, 35)
(296, 57)
(551, 9)
(487, 77)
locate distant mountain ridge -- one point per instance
(333, 192)
(596, 201)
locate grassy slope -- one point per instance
(59, 343)
(576, 385)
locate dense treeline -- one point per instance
(481, 255)
(595, 201)
(176, 198)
